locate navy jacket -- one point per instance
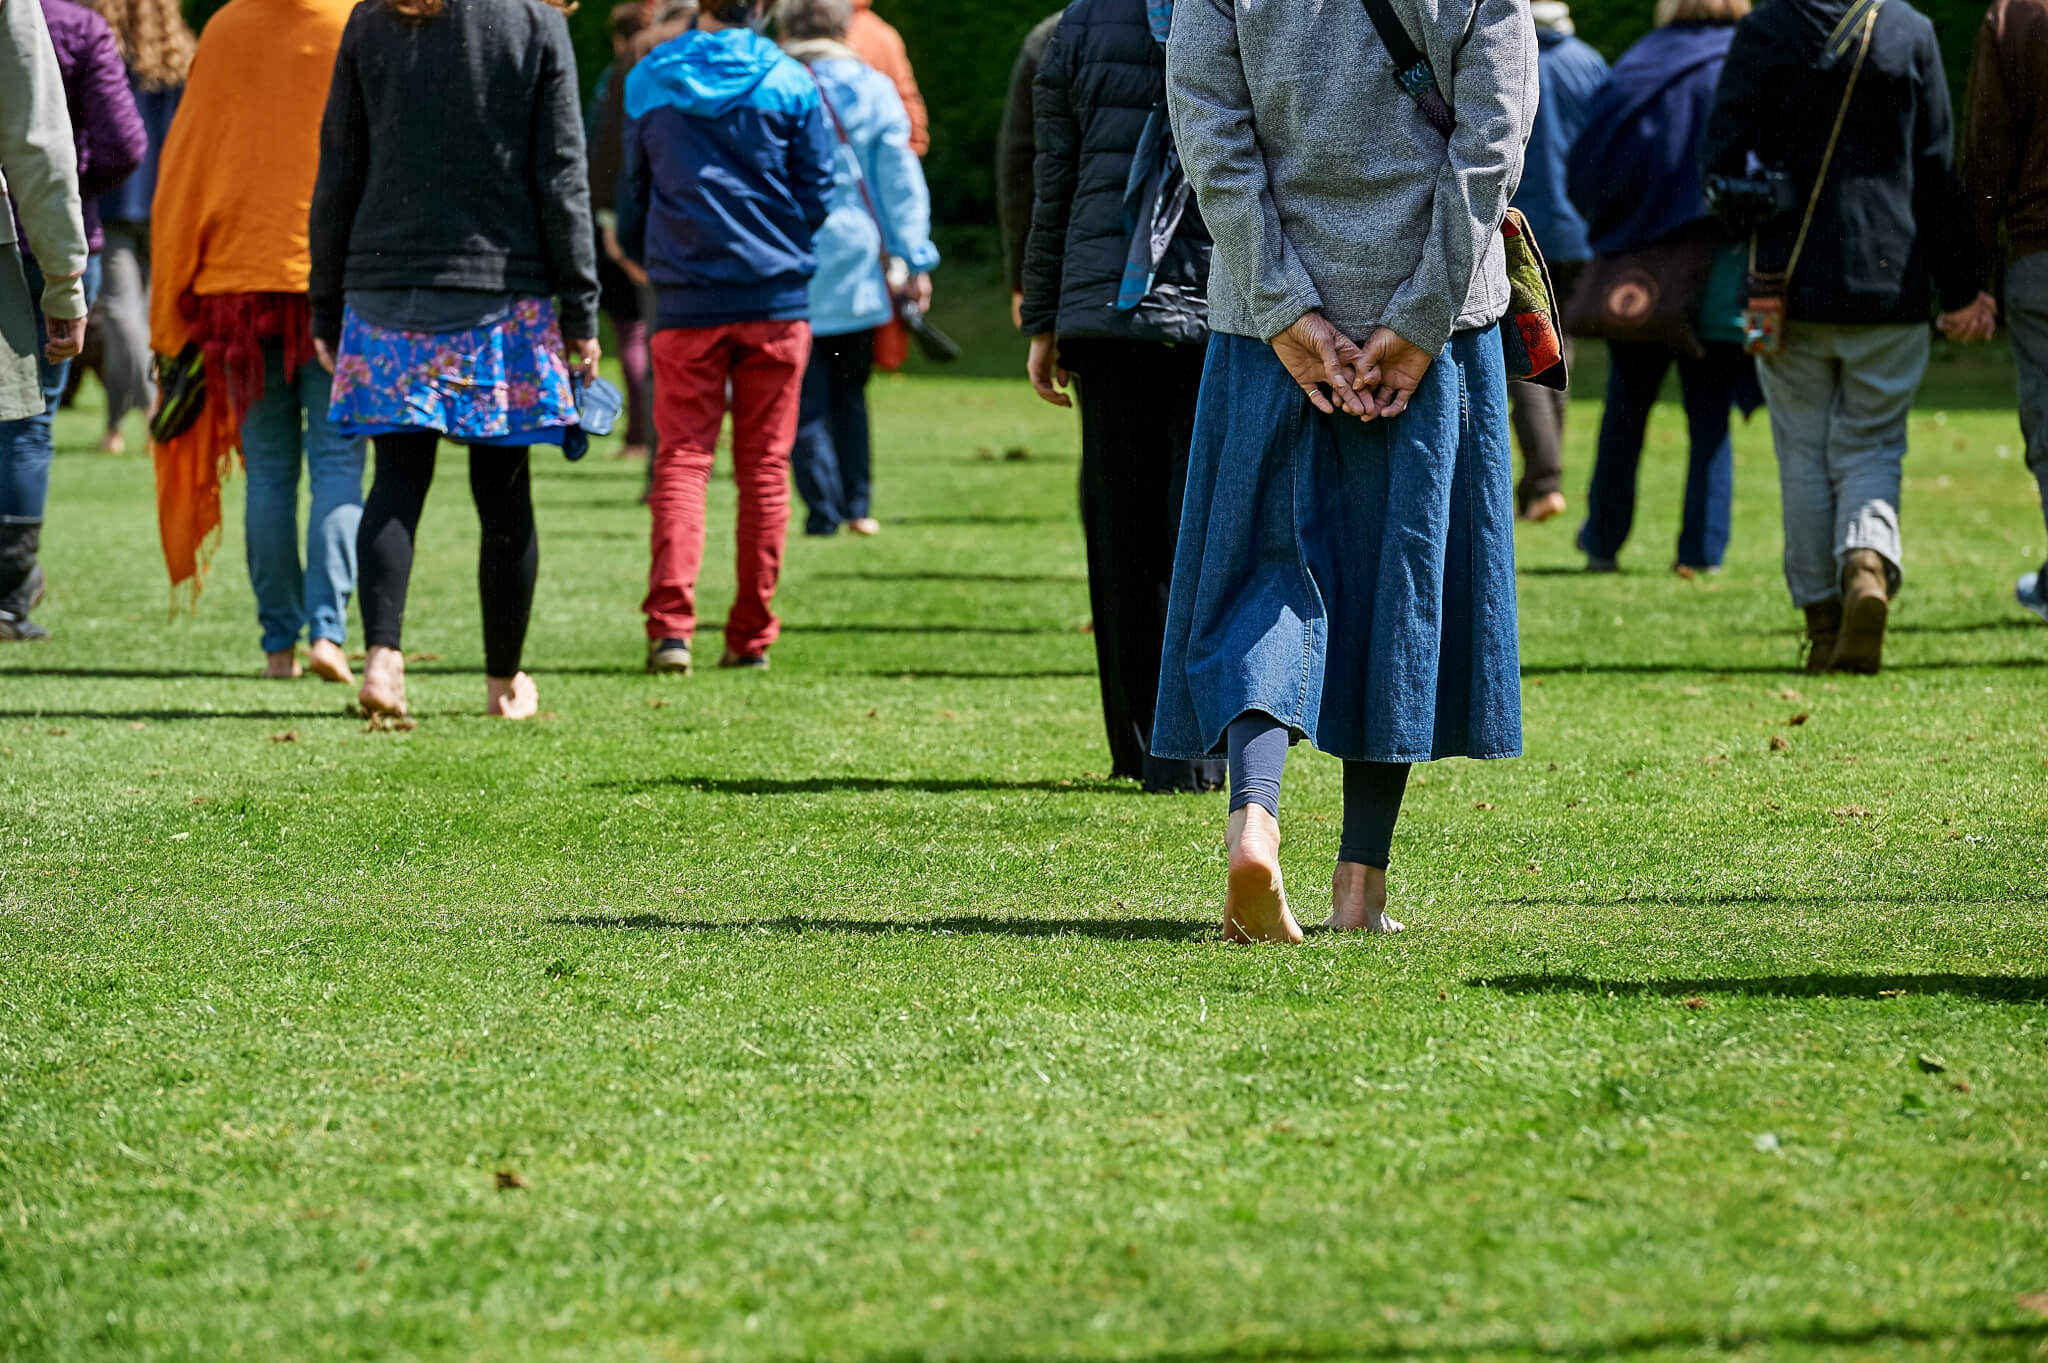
(1635, 170)
(1572, 75)
(729, 161)
(1892, 227)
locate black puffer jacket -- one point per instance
(1101, 77)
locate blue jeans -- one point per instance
(832, 457)
(291, 418)
(25, 446)
(1709, 386)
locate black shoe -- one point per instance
(751, 662)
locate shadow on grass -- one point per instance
(2025, 989)
(1063, 579)
(1106, 929)
(1791, 667)
(800, 628)
(972, 519)
(929, 674)
(1717, 1342)
(862, 785)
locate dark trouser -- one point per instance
(508, 561)
(1373, 791)
(1538, 413)
(1709, 385)
(1137, 402)
(833, 457)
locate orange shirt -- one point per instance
(881, 46)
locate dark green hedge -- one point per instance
(964, 49)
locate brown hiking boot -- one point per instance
(1823, 630)
(1866, 604)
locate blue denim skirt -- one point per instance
(1354, 580)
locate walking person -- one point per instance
(878, 44)
(1346, 564)
(230, 268)
(157, 47)
(1635, 176)
(619, 293)
(38, 189)
(1017, 158)
(2005, 173)
(1571, 74)
(1880, 229)
(1116, 274)
(729, 176)
(454, 292)
(880, 214)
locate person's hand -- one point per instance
(919, 291)
(588, 353)
(1047, 378)
(1394, 369)
(1017, 308)
(67, 338)
(1976, 321)
(324, 353)
(1317, 354)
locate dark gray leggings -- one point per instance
(1372, 790)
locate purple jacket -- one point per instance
(109, 131)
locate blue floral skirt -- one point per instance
(1356, 581)
(503, 384)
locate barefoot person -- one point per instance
(230, 262)
(1346, 564)
(451, 221)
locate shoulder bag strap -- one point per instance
(1411, 68)
(859, 176)
(1827, 160)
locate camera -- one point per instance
(1747, 202)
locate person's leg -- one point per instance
(767, 382)
(1881, 371)
(25, 452)
(1255, 901)
(638, 366)
(691, 369)
(853, 363)
(271, 453)
(1373, 792)
(1635, 374)
(1708, 385)
(384, 548)
(507, 567)
(814, 457)
(334, 468)
(1116, 404)
(124, 323)
(2026, 322)
(1538, 416)
(1154, 540)
(1800, 385)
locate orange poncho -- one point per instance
(233, 190)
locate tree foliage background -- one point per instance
(964, 49)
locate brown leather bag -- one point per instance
(1650, 295)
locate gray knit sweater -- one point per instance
(1320, 180)
(38, 159)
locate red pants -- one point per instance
(761, 364)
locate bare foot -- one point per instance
(1255, 904)
(282, 666)
(329, 663)
(383, 691)
(113, 442)
(513, 697)
(1358, 900)
(865, 525)
(1543, 508)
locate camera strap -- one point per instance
(1411, 69)
(1836, 44)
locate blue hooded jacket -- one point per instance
(729, 174)
(850, 293)
(1571, 74)
(1635, 171)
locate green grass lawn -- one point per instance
(848, 1012)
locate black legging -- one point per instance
(1372, 790)
(507, 563)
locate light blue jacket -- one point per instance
(849, 293)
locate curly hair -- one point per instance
(155, 40)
